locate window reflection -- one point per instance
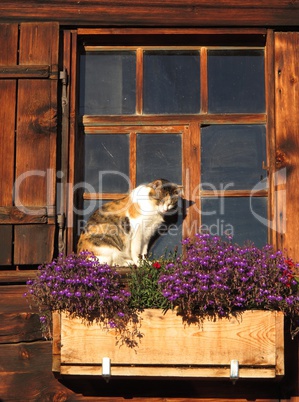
(171, 82)
(159, 156)
(108, 83)
(165, 243)
(236, 81)
(243, 218)
(232, 156)
(107, 162)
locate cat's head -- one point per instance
(165, 194)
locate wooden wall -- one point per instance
(26, 358)
(154, 12)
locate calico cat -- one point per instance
(120, 231)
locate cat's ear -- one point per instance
(156, 184)
(180, 190)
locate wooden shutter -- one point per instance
(28, 134)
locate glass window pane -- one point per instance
(171, 82)
(167, 242)
(236, 81)
(232, 156)
(243, 218)
(108, 83)
(159, 156)
(107, 162)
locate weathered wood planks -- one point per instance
(154, 12)
(287, 139)
(28, 140)
(169, 348)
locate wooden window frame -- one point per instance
(252, 38)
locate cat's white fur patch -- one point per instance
(140, 196)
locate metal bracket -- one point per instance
(61, 226)
(234, 370)
(61, 217)
(106, 368)
(64, 80)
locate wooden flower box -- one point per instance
(170, 349)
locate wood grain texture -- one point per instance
(20, 327)
(13, 300)
(168, 348)
(34, 244)
(37, 110)
(26, 370)
(93, 123)
(8, 55)
(24, 72)
(25, 376)
(36, 141)
(154, 12)
(14, 215)
(191, 167)
(5, 244)
(36, 124)
(287, 139)
(16, 276)
(75, 136)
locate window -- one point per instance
(193, 114)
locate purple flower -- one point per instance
(213, 277)
(218, 276)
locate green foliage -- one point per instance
(144, 287)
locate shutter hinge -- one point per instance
(61, 227)
(63, 76)
(64, 80)
(61, 218)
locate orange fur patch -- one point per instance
(134, 210)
